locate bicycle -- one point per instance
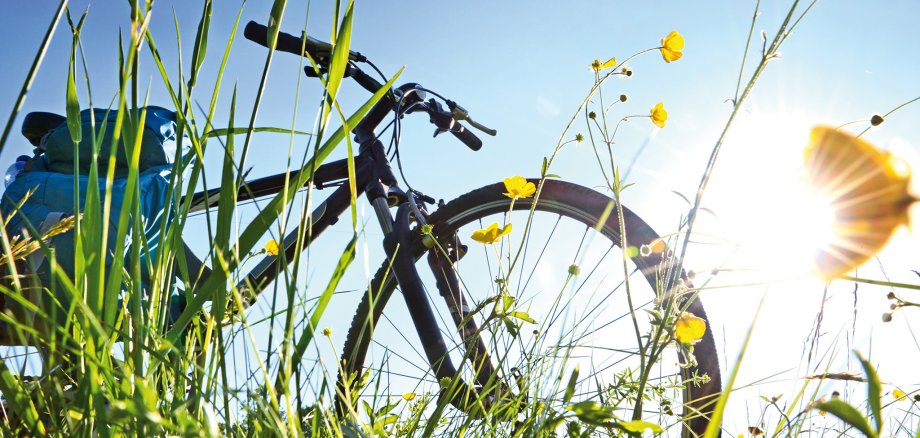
(489, 372)
(447, 256)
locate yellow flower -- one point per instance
(327, 332)
(867, 191)
(409, 396)
(899, 395)
(597, 65)
(671, 46)
(272, 247)
(689, 328)
(659, 115)
(491, 234)
(519, 187)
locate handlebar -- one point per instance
(316, 49)
(320, 52)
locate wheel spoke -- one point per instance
(566, 274)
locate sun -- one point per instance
(774, 221)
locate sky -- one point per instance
(523, 68)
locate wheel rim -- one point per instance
(587, 340)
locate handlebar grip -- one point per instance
(467, 137)
(286, 42)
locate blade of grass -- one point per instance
(33, 70)
(348, 256)
(713, 430)
(848, 414)
(227, 132)
(256, 229)
(874, 389)
(18, 400)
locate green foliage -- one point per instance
(179, 380)
(852, 416)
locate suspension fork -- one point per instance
(398, 248)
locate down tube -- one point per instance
(324, 215)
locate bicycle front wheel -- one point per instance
(568, 317)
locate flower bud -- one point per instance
(579, 138)
(623, 98)
(596, 65)
(876, 120)
(886, 317)
(645, 250)
(592, 115)
(891, 296)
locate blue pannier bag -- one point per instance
(50, 179)
(158, 144)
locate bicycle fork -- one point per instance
(398, 246)
(398, 249)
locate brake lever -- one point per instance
(442, 120)
(460, 114)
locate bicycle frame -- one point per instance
(373, 177)
(323, 216)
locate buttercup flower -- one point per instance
(866, 188)
(409, 396)
(272, 247)
(689, 328)
(899, 395)
(518, 187)
(491, 234)
(659, 115)
(671, 46)
(597, 65)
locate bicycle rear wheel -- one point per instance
(553, 299)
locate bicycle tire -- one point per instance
(567, 200)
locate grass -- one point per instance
(114, 367)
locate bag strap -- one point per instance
(36, 259)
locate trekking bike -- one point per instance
(485, 315)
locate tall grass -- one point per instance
(114, 362)
(171, 378)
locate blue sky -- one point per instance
(523, 68)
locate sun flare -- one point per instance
(824, 216)
(765, 207)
